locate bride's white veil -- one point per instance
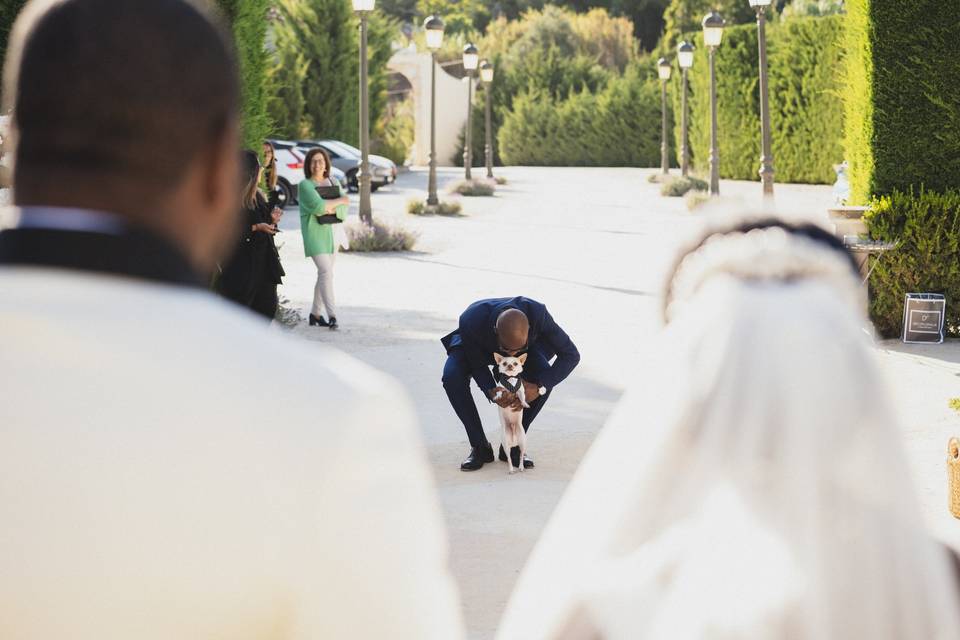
(751, 484)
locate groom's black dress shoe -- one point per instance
(477, 458)
(515, 454)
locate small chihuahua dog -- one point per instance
(512, 419)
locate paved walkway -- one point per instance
(593, 244)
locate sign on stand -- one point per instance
(923, 318)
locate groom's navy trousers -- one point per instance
(470, 352)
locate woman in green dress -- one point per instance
(319, 242)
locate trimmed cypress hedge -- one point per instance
(902, 96)
(617, 126)
(806, 114)
(927, 260)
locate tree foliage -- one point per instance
(902, 96)
(685, 16)
(553, 51)
(248, 21)
(9, 10)
(926, 226)
(618, 124)
(315, 65)
(806, 113)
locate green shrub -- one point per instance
(420, 208)
(806, 115)
(902, 95)
(286, 314)
(677, 187)
(695, 199)
(927, 260)
(473, 188)
(618, 125)
(380, 236)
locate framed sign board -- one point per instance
(923, 317)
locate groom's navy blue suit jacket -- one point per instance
(477, 338)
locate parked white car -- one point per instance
(345, 157)
(290, 170)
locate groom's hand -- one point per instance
(502, 397)
(531, 391)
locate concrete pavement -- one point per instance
(594, 245)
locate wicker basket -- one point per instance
(953, 475)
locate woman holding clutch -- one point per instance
(322, 205)
(250, 277)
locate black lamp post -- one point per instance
(663, 69)
(766, 155)
(685, 60)
(434, 28)
(363, 9)
(471, 60)
(712, 35)
(486, 77)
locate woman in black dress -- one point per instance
(250, 277)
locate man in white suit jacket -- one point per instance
(168, 468)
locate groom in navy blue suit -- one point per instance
(510, 327)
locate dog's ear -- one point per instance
(523, 358)
(497, 357)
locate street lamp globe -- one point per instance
(434, 28)
(664, 68)
(685, 55)
(363, 5)
(486, 72)
(471, 57)
(713, 24)
(760, 3)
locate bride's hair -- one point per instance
(765, 249)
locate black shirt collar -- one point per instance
(133, 252)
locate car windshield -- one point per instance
(342, 149)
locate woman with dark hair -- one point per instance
(322, 205)
(251, 276)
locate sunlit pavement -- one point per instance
(594, 245)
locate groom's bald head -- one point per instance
(513, 329)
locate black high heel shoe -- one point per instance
(333, 323)
(318, 320)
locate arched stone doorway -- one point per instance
(414, 66)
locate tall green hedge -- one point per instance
(806, 113)
(618, 125)
(902, 96)
(927, 227)
(248, 21)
